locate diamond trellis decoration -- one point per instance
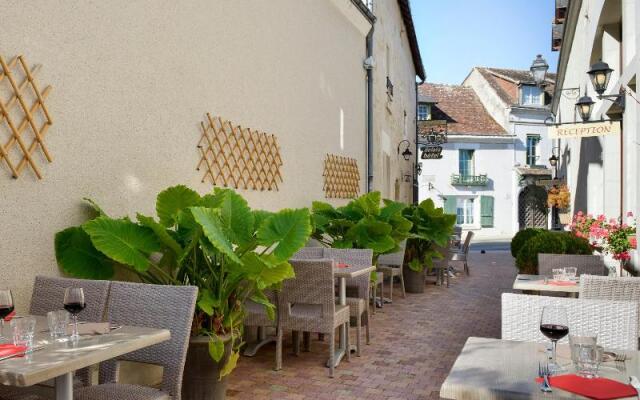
(341, 177)
(238, 157)
(24, 118)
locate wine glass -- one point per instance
(74, 303)
(6, 308)
(555, 326)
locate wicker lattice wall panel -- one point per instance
(341, 177)
(241, 158)
(24, 118)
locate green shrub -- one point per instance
(549, 243)
(522, 237)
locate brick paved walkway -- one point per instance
(414, 344)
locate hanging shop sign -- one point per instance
(588, 129)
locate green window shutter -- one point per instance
(486, 211)
(450, 205)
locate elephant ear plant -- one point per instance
(431, 228)
(361, 224)
(215, 242)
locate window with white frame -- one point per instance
(533, 142)
(424, 112)
(531, 95)
(465, 162)
(464, 210)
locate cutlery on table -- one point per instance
(543, 372)
(22, 353)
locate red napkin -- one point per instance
(10, 316)
(594, 388)
(562, 283)
(342, 265)
(10, 350)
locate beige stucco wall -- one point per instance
(389, 118)
(133, 79)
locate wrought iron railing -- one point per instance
(469, 180)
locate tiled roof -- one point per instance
(505, 82)
(461, 108)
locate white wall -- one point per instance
(133, 79)
(493, 159)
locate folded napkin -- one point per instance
(8, 350)
(562, 283)
(342, 265)
(594, 388)
(91, 328)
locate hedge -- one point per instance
(550, 243)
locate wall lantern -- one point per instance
(406, 154)
(539, 69)
(600, 74)
(418, 168)
(584, 107)
(553, 160)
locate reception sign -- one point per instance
(587, 129)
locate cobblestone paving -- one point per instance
(414, 342)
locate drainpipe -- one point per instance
(370, 113)
(416, 191)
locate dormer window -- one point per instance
(424, 111)
(531, 95)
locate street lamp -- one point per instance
(406, 154)
(553, 160)
(600, 74)
(584, 106)
(539, 69)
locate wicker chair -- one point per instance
(157, 306)
(585, 264)
(390, 265)
(456, 239)
(256, 316)
(615, 322)
(309, 253)
(307, 303)
(357, 288)
(441, 265)
(463, 254)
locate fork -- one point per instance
(620, 357)
(543, 372)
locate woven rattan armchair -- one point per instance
(390, 265)
(357, 288)
(441, 265)
(615, 322)
(463, 254)
(256, 316)
(155, 306)
(309, 253)
(307, 303)
(585, 264)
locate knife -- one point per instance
(28, 351)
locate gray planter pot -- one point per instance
(201, 373)
(413, 281)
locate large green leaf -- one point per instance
(231, 364)
(369, 233)
(95, 207)
(213, 228)
(77, 256)
(259, 217)
(216, 348)
(288, 229)
(161, 232)
(265, 270)
(391, 208)
(172, 200)
(123, 241)
(236, 216)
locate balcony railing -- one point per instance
(469, 180)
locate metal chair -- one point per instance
(307, 303)
(256, 316)
(585, 264)
(463, 255)
(390, 265)
(357, 288)
(157, 306)
(615, 322)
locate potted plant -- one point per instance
(216, 242)
(361, 224)
(430, 233)
(560, 197)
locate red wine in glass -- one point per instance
(74, 308)
(554, 325)
(554, 332)
(74, 303)
(6, 308)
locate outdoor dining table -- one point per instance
(535, 283)
(59, 360)
(503, 369)
(342, 273)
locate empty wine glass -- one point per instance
(6, 308)
(554, 325)
(74, 303)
